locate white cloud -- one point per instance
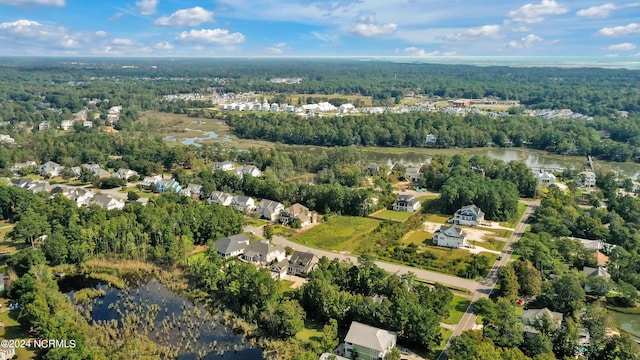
(414, 51)
(123, 42)
(620, 30)
(374, 30)
(622, 47)
(486, 31)
(27, 37)
(600, 11)
(328, 38)
(524, 43)
(115, 16)
(58, 3)
(535, 13)
(146, 7)
(365, 17)
(279, 48)
(186, 18)
(211, 36)
(101, 33)
(163, 46)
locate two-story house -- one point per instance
(231, 246)
(125, 174)
(545, 178)
(263, 253)
(406, 203)
(412, 174)
(220, 198)
(242, 203)
(587, 179)
(148, 183)
(223, 165)
(270, 209)
(451, 236)
(364, 342)
(301, 263)
(167, 185)
(469, 215)
(298, 212)
(248, 170)
(108, 202)
(193, 191)
(50, 169)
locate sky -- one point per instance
(412, 28)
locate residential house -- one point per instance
(544, 178)
(39, 186)
(45, 125)
(366, 342)
(231, 246)
(108, 202)
(431, 139)
(248, 170)
(18, 166)
(169, 185)
(469, 215)
(50, 169)
(243, 203)
(76, 171)
(372, 169)
(7, 352)
(66, 125)
(125, 174)
(412, 174)
(601, 259)
(327, 356)
(533, 318)
(87, 123)
(148, 183)
(22, 183)
(263, 252)
(301, 263)
(279, 270)
(451, 236)
(270, 209)
(587, 179)
(81, 196)
(298, 213)
(406, 203)
(102, 174)
(224, 166)
(220, 198)
(193, 191)
(96, 170)
(591, 272)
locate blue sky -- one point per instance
(319, 28)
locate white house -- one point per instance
(108, 202)
(50, 169)
(412, 174)
(220, 198)
(451, 236)
(243, 203)
(430, 139)
(270, 209)
(469, 215)
(148, 183)
(7, 139)
(545, 178)
(248, 170)
(66, 125)
(7, 353)
(18, 166)
(232, 245)
(587, 179)
(263, 252)
(125, 173)
(223, 165)
(366, 342)
(300, 213)
(406, 203)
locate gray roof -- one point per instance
(241, 199)
(596, 272)
(232, 243)
(534, 315)
(369, 336)
(261, 248)
(452, 230)
(103, 200)
(269, 204)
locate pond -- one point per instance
(627, 322)
(177, 320)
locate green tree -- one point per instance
(267, 231)
(508, 284)
(529, 278)
(329, 337)
(394, 354)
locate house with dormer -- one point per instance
(587, 179)
(451, 236)
(220, 198)
(125, 174)
(50, 169)
(246, 204)
(302, 263)
(193, 191)
(263, 253)
(469, 215)
(544, 178)
(248, 170)
(108, 202)
(148, 183)
(298, 212)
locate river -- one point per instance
(175, 317)
(533, 158)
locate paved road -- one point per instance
(485, 288)
(425, 275)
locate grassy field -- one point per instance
(400, 216)
(341, 233)
(284, 287)
(490, 244)
(438, 218)
(458, 307)
(416, 237)
(256, 222)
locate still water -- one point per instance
(627, 322)
(176, 318)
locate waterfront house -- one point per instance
(406, 203)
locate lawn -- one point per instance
(342, 233)
(491, 244)
(256, 222)
(311, 331)
(284, 287)
(459, 306)
(446, 334)
(400, 216)
(11, 330)
(416, 237)
(283, 230)
(438, 218)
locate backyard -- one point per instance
(392, 215)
